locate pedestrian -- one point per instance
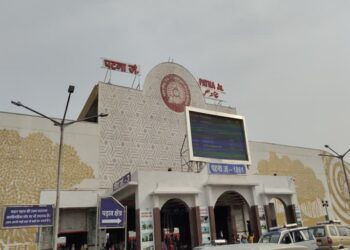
(251, 238)
(244, 239)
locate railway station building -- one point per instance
(148, 155)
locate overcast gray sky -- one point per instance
(283, 64)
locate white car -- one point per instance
(254, 246)
(287, 235)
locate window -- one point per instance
(344, 231)
(286, 239)
(297, 236)
(333, 231)
(318, 231)
(270, 238)
(308, 234)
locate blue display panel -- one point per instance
(219, 137)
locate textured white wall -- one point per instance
(141, 132)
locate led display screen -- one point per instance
(217, 137)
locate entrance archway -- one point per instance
(175, 225)
(280, 212)
(232, 217)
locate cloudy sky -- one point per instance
(283, 64)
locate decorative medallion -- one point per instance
(338, 189)
(175, 92)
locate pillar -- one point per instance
(196, 226)
(212, 223)
(273, 215)
(291, 215)
(268, 216)
(255, 222)
(157, 229)
(232, 227)
(137, 228)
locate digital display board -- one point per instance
(216, 137)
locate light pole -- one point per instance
(325, 205)
(61, 124)
(341, 158)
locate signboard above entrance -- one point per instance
(227, 169)
(216, 137)
(121, 182)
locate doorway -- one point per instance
(175, 225)
(232, 217)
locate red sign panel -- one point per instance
(120, 66)
(211, 89)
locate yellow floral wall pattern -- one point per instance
(28, 165)
(306, 183)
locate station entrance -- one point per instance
(116, 238)
(280, 214)
(74, 240)
(175, 225)
(232, 217)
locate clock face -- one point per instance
(175, 92)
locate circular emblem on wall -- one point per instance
(175, 92)
(339, 190)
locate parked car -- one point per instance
(214, 243)
(290, 234)
(331, 235)
(255, 246)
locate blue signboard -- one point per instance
(227, 169)
(28, 216)
(112, 213)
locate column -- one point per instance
(268, 216)
(273, 215)
(290, 214)
(157, 229)
(196, 228)
(137, 228)
(212, 222)
(254, 222)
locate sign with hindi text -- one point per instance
(121, 182)
(112, 213)
(227, 169)
(120, 66)
(28, 216)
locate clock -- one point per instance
(175, 92)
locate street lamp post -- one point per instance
(61, 124)
(341, 158)
(325, 205)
